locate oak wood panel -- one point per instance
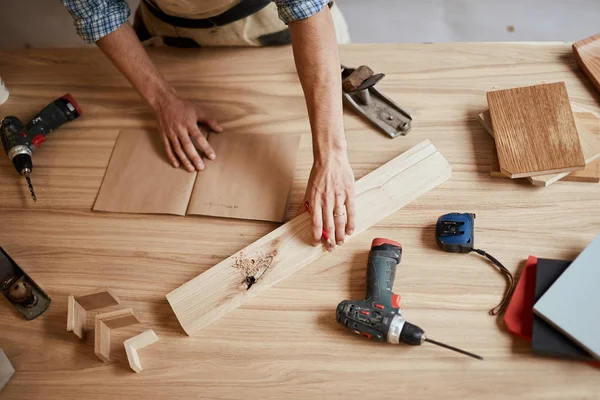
(588, 127)
(587, 54)
(286, 343)
(534, 130)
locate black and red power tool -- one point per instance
(20, 141)
(378, 316)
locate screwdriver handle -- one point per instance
(384, 257)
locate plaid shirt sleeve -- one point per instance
(293, 10)
(95, 19)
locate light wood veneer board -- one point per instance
(77, 307)
(136, 343)
(251, 179)
(221, 289)
(6, 369)
(587, 54)
(139, 178)
(588, 126)
(104, 324)
(486, 121)
(535, 131)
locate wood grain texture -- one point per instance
(534, 130)
(588, 127)
(283, 252)
(587, 54)
(136, 343)
(286, 343)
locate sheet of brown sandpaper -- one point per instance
(250, 179)
(139, 178)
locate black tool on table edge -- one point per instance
(455, 233)
(20, 290)
(20, 141)
(378, 316)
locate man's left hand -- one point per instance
(330, 193)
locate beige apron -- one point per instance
(244, 32)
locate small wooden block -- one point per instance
(535, 131)
(104, 323)
(79, 305)
(136, 343)
(76, 318)
(97, 298)
(587, 54)
(6, 369)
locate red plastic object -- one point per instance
(519, 313)
(379, 241)
(396, 300)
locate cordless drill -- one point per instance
(20, 141)
(378, 316)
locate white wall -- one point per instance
(46, 23)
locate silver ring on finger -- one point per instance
(339, 214)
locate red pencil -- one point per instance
(325, 235)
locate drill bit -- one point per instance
(27, 176)
(453, 348)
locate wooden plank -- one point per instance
(105, 322)
(535, 131)
(486, 120)
(587, 54)
(136, 343)
(588, 126)
(591, 174)
(284, 251)
(6, 369)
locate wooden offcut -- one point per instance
(288, 249)
(104, 323)
(587, 54)
(535, 131)
(78, 306)
(588, 126)
(136, 343)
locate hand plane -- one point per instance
(20, 290)
(360, 94)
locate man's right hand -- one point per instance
(178, 121)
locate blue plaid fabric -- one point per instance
(95, 19)
(293, 10)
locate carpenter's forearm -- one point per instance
(318, 64)
(129, 56)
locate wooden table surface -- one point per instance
(286, 342)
